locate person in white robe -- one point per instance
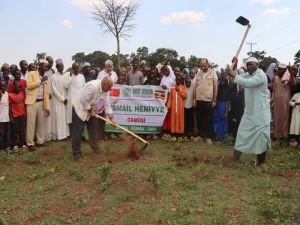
(108, 72)
(60, 101)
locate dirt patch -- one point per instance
(291, 174)
(225, 181)
(194, 159)
(234, 213)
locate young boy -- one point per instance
(4, 118)
(176, 105)
(189, 110)
(17, 76)
(17, 107)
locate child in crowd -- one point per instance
(189, 110)
(295, 122)
(152, 77)
(176, 106)
(17, 76)
(122, 76)
(18, 113)
(220, 118)
(4, 118)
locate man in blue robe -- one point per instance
(254, 130)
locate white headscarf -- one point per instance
(270, 71)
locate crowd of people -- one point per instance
(37, 102)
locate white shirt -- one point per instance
(168, 81)
(112, 74)
(41, 90)
(4, 108)
(24, 76)
(188, 101)
(88, 98)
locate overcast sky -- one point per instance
(205, 28)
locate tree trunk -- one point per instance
(118, 51)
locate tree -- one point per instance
(297, 57)
(257, 54)
(39, 56)
(79, 57)
(97, 58)
(193, 61)
(123, 59)
(142, 53)
(116, 18)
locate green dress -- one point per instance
(254, 130)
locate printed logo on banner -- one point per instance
(115, 92)
(126, 92)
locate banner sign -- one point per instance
(140, 109)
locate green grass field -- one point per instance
(173, 183)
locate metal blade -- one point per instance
(243, 21)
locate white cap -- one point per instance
(282, 65)
(59, 61)
(143, 62)
(252, 59)
(86, 64)
(108, 62)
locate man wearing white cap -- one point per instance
(86, 71)
(60, 101)
(282, 88)
(108, 71)
(254, 130)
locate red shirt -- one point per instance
(17, 104)
(10, 87)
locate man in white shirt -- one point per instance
(108, 72)
(85, 106)
(74, 81)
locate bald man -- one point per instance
(85, 106)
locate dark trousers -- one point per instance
(189, 121)
(4, 135)
(261, 158)
(19, 127)
(101, 127)
(204, 113)
(77, 129)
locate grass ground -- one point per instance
(173, 183)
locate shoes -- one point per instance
(77, 157)
(155, 137)
(197, 138)
(8, 150)
(209, 141)
(15, 149)
(24, 148)
(31, 148)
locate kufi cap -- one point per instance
(43, 61)
(86, 64)
(282, 65)
(59, 61)
(252, 59)
(108, 62)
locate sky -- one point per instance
(204, 28)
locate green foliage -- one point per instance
(103, 172)
(173, 183)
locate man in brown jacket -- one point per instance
(37, 104)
